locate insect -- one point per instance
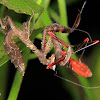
(13, 51)
(77, 66)
(63, 59)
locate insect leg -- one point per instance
(63, 60)
(58, 39)
(36, 20)
(78, 18)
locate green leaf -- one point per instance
(22, 6)
(3, 57)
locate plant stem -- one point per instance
(18, 78)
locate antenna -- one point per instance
(76, 83)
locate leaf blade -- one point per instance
(22, 6)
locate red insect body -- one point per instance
(80, 68)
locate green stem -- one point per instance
(54, 15)
(15, 86)
(18, 78)
(4, 75)
(63, 13)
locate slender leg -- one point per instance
(36, 20)
(66, 55)
(40, 53)
(78, 18)
(63, 60)
(58, 39)
(59, 28)
(29, 24)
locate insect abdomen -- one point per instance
(13, 52)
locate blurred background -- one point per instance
(39, 82)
